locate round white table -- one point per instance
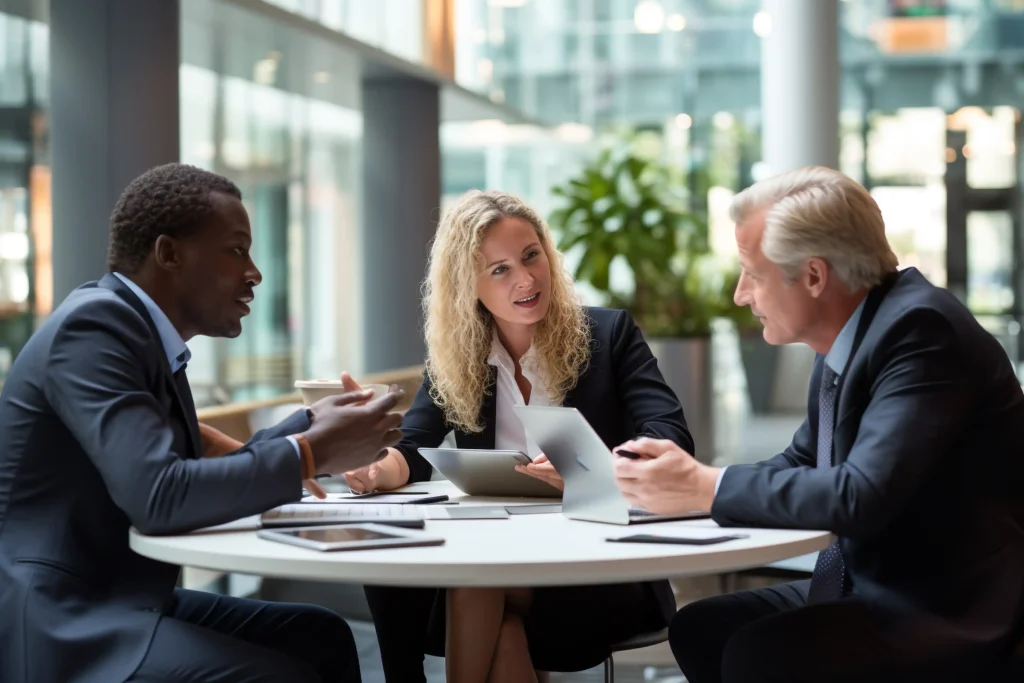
(523, 550)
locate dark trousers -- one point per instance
(401, 617)
(221, 639)
(771, 634)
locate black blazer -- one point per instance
(95, 438)
(928, 495)
(621, 394)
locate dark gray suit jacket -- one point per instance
(94, 438)
(928, 495)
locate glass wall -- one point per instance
(284, 121)
(914, 75)
(689, 71)
(24, 183)
(395, 26)
(297, 162)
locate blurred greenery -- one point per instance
(626, 205)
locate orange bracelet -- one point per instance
(306, 451)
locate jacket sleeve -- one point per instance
(423, 426)
(296, 423)
(921, 399)
(97, 385)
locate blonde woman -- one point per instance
(503, 327)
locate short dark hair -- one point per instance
(171, 200)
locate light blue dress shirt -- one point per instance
(174, 346)
(836, 358)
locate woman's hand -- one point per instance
(365, 479)
(390, 472)
(541, 469)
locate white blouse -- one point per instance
(509, 433)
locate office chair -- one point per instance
(634, 643)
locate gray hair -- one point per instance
(816, 212)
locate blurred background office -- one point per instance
(630, 124)
(328, 113)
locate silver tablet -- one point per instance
(348, 537)
(488, 472)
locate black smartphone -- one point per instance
(677, 540)
(627, 454)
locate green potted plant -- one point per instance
(627, 206)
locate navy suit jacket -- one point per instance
(94, 438)
(622, 394)
(926, 497)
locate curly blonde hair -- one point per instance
(458, 328)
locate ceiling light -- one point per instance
(676, 22)
(649, 17)
(762, 24)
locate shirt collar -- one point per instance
(174, 346)
(500, 356)
(839, 354)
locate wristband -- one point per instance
(306, 453)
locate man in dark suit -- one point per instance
(910, 455)
(98, 432)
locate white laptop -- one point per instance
(586, 466)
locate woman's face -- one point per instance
(513, 278)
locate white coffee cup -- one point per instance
(315, 389)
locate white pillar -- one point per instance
(800, 127)
(800, 84)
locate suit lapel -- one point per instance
(184, 394)
(875, 297)
(185, 403)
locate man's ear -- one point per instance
(816, 273)
(168, 253)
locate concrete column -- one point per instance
(800, 84)
(401, 200)
(114, 114)
(800, 115)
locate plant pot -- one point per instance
(760, 363)
(686, 364)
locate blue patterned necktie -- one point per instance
(829, 571)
